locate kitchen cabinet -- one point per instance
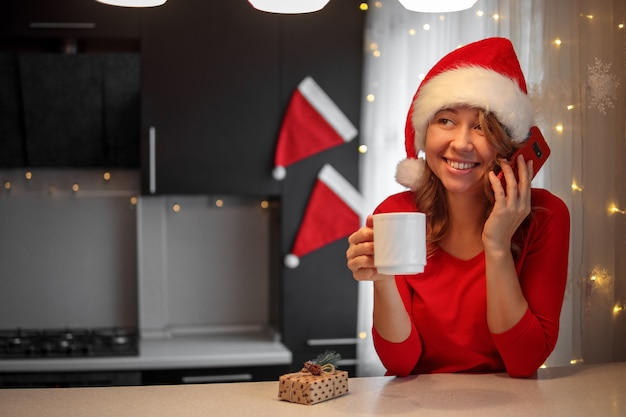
(211, 96)
(69, 19)
(216, 80)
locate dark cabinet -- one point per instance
(211, 88)
(69, 19)
(216, 81)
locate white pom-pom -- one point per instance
(292, 261)
(279, 173)
(409, 172)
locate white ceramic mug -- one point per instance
(400, 243)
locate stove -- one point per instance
(63, 343)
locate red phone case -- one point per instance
(535, 148)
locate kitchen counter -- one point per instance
(222, 350)
(582, 390)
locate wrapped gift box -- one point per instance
(308, 389)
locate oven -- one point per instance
(20, 344)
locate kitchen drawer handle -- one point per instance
(200, 379)
(152, 159)
(322, 342)
(61, 25)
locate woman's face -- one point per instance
(457, 150)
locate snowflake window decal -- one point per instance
(602, 86)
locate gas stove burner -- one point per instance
(57, 343)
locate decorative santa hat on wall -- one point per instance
(312, 123)
(484, 74)
(333, 211)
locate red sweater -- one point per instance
(447, 303)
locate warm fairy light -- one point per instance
(265, 204)
(557, 42)
(426, 27)
(75, 187)
(133, 200)
(614, 209)
(570, 107)
(378, 4)
(376, 54)
(544, 366)
(363, 149)
(7, 185)
(480, 13)
(618, 308)
(442, 17)
(219, 203)
(363, 6)
(589, 16)
(576, 187)
(559, 128)
(576, 361)
(362, 335)
(620, 26)
(176, 208)
(412, 32)
(496, 17)
(28, 175)
(106, 176)
(370, 98)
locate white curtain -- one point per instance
(577, 90)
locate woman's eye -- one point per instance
(445, 122)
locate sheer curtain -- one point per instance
(577, 110)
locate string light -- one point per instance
(176, 208)
(559, 128)
(557, 42)
(614, 209)
(363, 6)
(576, 187)
(363, 149)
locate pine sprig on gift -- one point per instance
(328, 357)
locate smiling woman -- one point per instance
(557, 56)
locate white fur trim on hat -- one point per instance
(476, 87)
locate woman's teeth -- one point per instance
(461, 165)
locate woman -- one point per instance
(490, 296)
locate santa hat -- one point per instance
(312, 123)
(333, 211)
(484, 74)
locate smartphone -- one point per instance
(534, 148)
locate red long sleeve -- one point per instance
(447, 303)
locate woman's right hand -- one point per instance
(360, 253)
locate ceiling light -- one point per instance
(289, 6)
(437, 6)
(133, 3)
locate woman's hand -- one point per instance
(360, 253)
(510, 208)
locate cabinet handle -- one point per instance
(216, 378)
(62, 25)
(152, 159)
(321, 342)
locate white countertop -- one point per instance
(582, 390)
(207, 351)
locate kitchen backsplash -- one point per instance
(81, 249)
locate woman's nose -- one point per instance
(462, 140)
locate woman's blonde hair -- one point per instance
(430, 194)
